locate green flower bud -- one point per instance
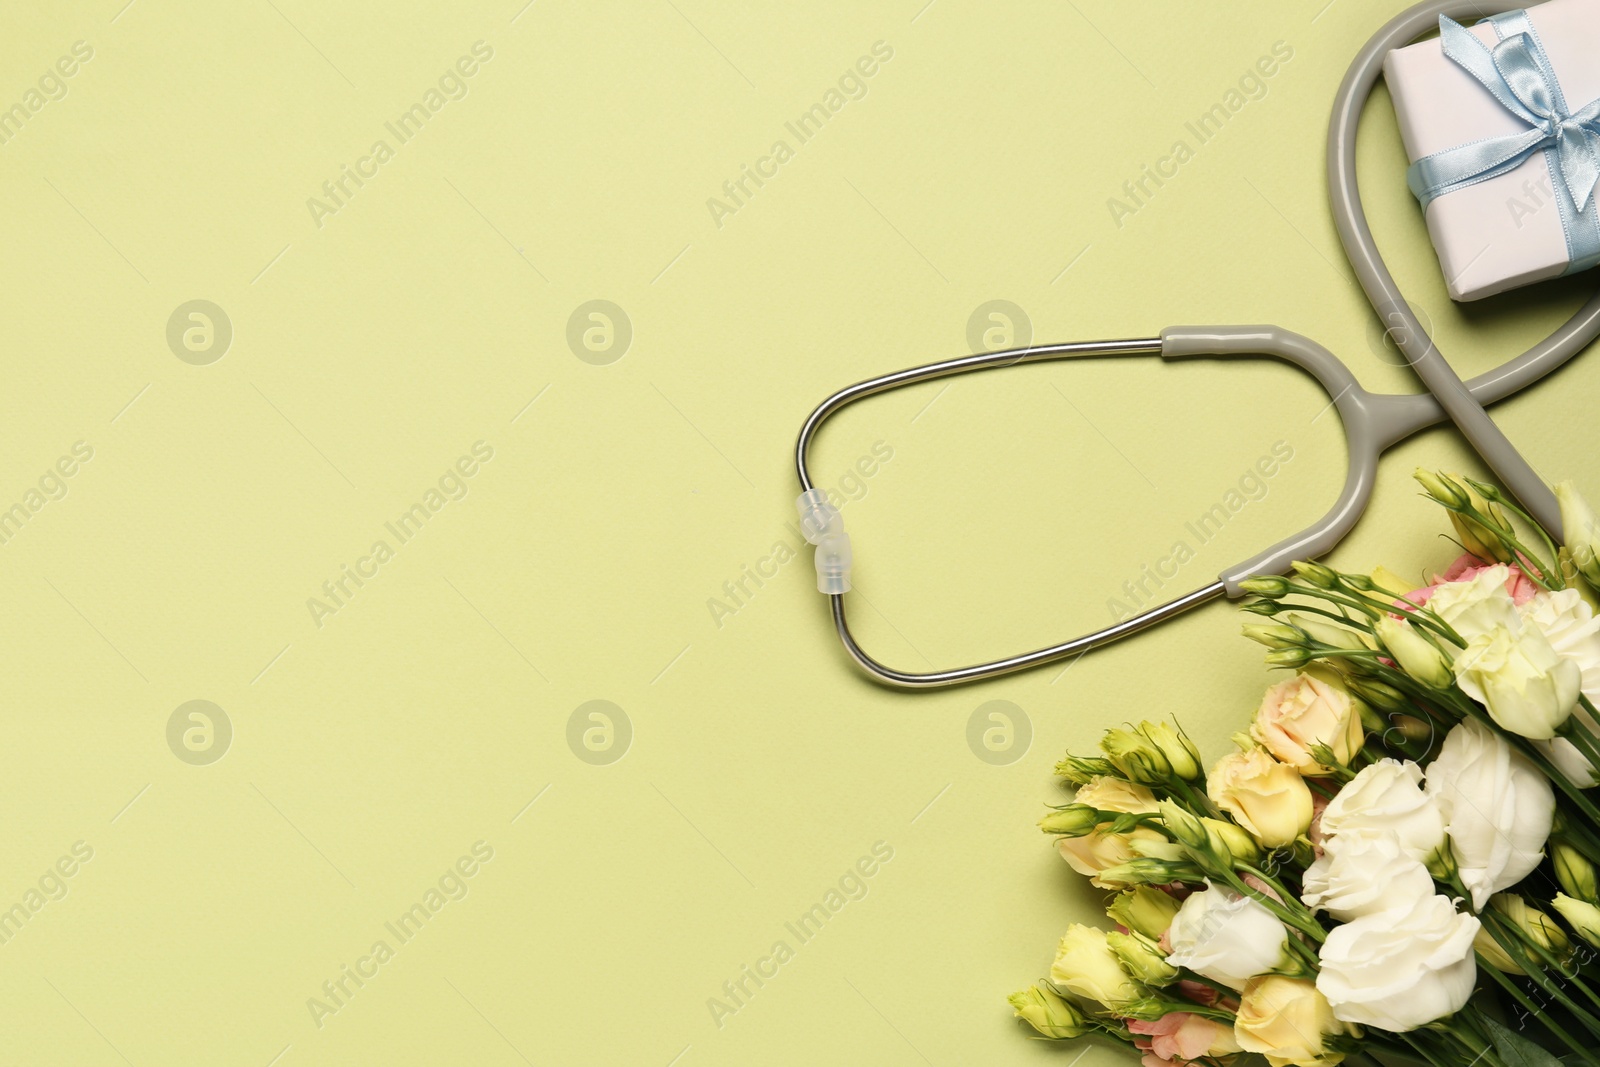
(1289, 657)
(1156, 848)
(1266, 586)
(1274, 635)
(1380, 695)
(1074, 820)
(1580, 531)
(1079, 770)
(1049, 1013)
(1360, 582)
(1484, 944)
(1441, 862)
(1141, 957)
(1574, 871)
(1147, 910)
(1145, 871)
(1175, 745)
(1487, 490)
(1582, 916)
(1182, 826)
(1136, 756)
(1232, 841)
(1484, 540)
(1329, 633)
(1415, 654)
(1442, 488)
(1315, 573)
(1536, 926)
(1263, 607)
(1412, 728)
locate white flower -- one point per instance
(1358, 874)
(1387, 798)
(1226, 937)
(1573, 630)
(1569, 624)
(1528, 688)
(1497, 806)
(1477, 604)
(1398, 970)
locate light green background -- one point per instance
(371, 352)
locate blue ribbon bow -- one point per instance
(1517, 72)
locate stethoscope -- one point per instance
(1372, 422)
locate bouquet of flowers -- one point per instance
(1399, 862)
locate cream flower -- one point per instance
(1085, 965)
(1477, 604)
(1288, 1020)
(1528, 689)
(1266, 797)
(1312, 708)
(1115, 794)
(1100, 849)
(1573, 630)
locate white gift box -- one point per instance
(1505, 231)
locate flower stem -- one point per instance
(1541, 978)
(1550, 961)
(1536, 1012)
(1303, 921)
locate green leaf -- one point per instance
(1519, 1051)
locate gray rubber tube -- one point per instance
(1344, 195)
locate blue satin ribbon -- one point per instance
(1517, 72)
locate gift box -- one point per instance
(1502, 125)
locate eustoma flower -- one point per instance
(1085, 965)
(1146, 910)
(1387, 798)
(1227, 937)
(1179, 1037)
(1400, 969)
(1312, 708)
(1477, 602)
(1528, 688)
(1266, 797)
(1047, 1012)
(1581, 530)
(1361, 874)
(1099, 850)
(1582, 916)
(1569, 624)
(1288, 1021)
(1498, 808)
